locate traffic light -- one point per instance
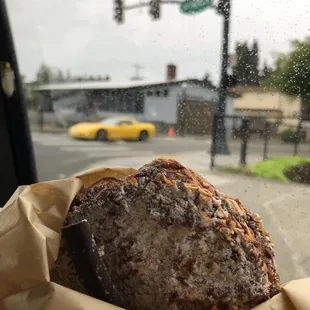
(119, 11)
(223, 7)
(155, 9)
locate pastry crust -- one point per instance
(171, 240)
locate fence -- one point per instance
(258, 133)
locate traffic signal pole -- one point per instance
(154, 6)
(221, 146)
(223, 8)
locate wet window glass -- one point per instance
(220, 86)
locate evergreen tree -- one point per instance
(44, 74)
(246, 69)
(207, 81)
(240, 70)
(253, 78)
(265, 73)
(60, 76)
(68, 76)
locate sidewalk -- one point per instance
(198, 161)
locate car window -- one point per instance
(126, 122)
(111, 121)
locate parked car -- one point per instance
(120, 128)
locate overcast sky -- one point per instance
(82, 36)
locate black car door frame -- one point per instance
(17, 164)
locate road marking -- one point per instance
(296, 259)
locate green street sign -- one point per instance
(195, 6)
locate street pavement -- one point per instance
(284, 208)
(58, 155)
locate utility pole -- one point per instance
(155, 9)
(137, 76)
(220, 140)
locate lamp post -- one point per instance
(220, 140)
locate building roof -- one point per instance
(112, 85)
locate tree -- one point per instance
(292, 73)
(68, 76)
(60, 77)
(240, 69)
(206, 80)
(44, 74)
(253, 73)
(47, 74)
(265, 73)
(247, 61)
(105, 78)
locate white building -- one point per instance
(152, 101)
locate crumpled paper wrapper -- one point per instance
(30, 228)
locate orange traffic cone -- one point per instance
(170, 132)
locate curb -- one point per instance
(185, 159)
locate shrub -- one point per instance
(300, 173)
(290, 136)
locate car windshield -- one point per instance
(110, 121)
(221, 86)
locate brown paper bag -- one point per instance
(30, 227)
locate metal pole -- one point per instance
(147, 4)
(266, 140)
(297, 138)
(244, 141)
(221, 146)
(41, 117)
(212, 153)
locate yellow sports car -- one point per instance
(124, 128)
